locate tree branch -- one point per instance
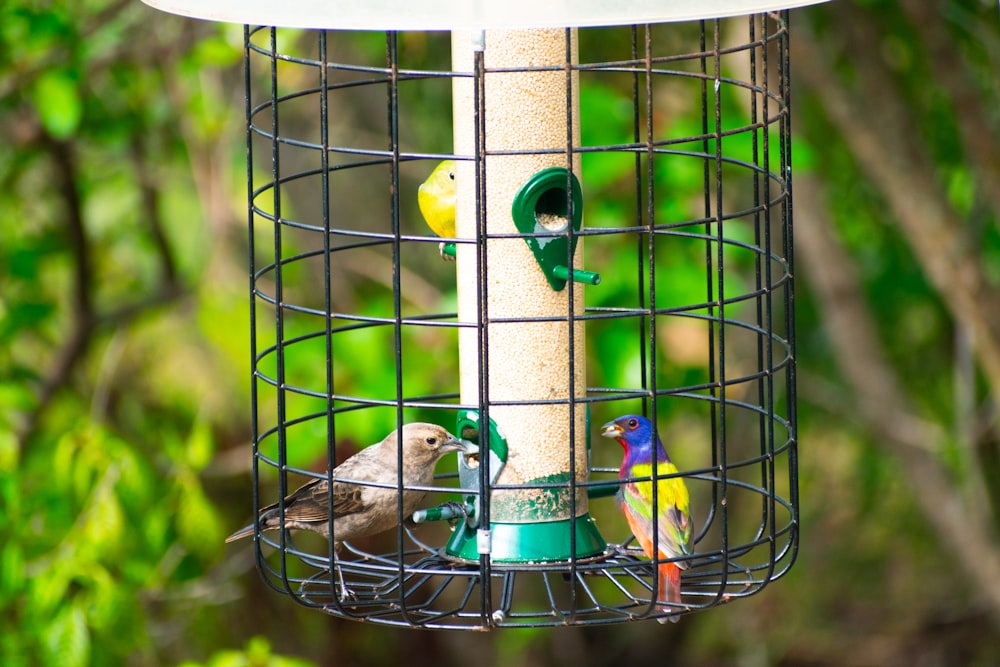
(890, 153)
(63, 155)
(86, 321)
(149, 197)
(977, 129)
(880, 399)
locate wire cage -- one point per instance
(672, 142)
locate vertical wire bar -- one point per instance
(709, 267)
(765, 386)
(788, 248)
(639, 213)
(571, 318)
(769, 474)
(651, 331)
(392, 56)
(482, 317)
(279, 317)
(720, 283)
(331, 439)
(252, 252)
(761, 219)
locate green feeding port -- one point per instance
(537, 536)
(541, 210)
(540, 542)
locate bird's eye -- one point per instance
(451, 175)
(632, 423)
(432, 440)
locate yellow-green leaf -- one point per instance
(11, 570)
(67, 639)
(198, 524)
(57, 100)
(200, 445)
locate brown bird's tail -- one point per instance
(265, 520)
(268, 520)
(670, 589)
(246, 531)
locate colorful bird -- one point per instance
(360, 509)
(673, 518)
(436, 198)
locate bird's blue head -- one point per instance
(635, 434)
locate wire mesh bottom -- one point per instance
(424, 587)
(437, 592)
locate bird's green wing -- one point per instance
(674, 517)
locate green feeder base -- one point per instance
(543, 541)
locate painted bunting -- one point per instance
(673, 518)
(360, 509)
(436, 198)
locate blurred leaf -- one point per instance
(198, 524)
(102, 529)
(62, 460)
(200, 445)
(136, 481)
(155, 527)
(519, 644)
(11, 570)
(48, 584)
(57, 100)
(962, 189)
(14, 650)
(24, 316)
(67, 640)
(9, 449)
(612, 104)
(106, 600)
(31, 33)
(217, 51)
(11, 505)
(256, 654)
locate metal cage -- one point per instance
(678, 160)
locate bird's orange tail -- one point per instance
(670, 588)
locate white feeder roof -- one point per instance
(463, 14)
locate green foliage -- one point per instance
(124, 351)
(104, 513)
(256, 654)
(56, 96)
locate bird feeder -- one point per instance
(653, 135)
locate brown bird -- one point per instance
(360, 508)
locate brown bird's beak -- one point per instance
(611, 430)
(454, 445)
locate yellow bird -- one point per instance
(436, 198)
